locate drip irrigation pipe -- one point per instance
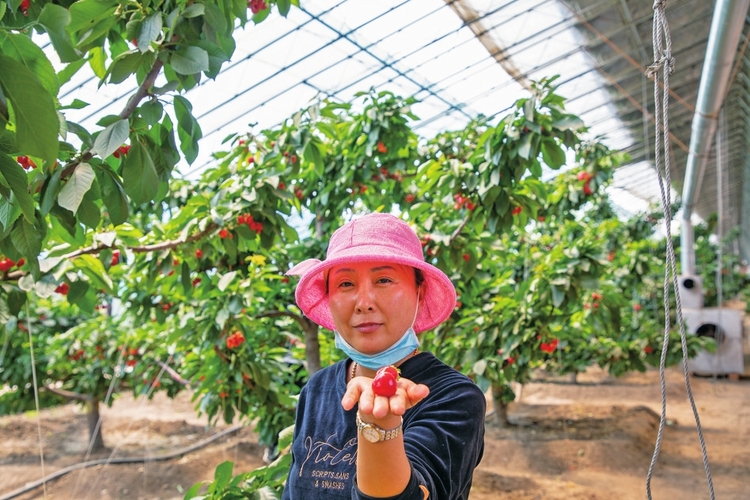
(124, 460)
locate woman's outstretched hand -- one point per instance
(359, 390)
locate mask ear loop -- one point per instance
(413, 321)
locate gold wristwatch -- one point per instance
(375, 434)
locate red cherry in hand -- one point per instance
(390, 369)
(385, 382)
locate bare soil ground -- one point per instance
(592, 440)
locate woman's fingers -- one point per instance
(353, 394)
(359, 392)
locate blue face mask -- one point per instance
(398, 351)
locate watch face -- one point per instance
(370, 434)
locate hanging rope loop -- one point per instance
(662, 162)
(662, 42)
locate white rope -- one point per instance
(663, 60)
(36, 398)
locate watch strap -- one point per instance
(385, 434)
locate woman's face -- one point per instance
(372, 303)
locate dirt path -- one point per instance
(593, 441)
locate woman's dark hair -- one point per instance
(418, 277)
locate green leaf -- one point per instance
(216, 19)
(223, 474)
(18, 181)
(98, 62)
(189, 60)
(95, 36)
(568, 122)
(226, 280)
(9, 213)
(37, 123)
(77, 290)
(85, 14)
(152, 110)
(125, 65)
(111, 138)
(27, 238)
(76, 104)
(188, 128)
(49, 192)
(94, 269)
(65, 74)
(524, 148)
(552, 154)
(150, 30)
(23, 50)
(312, 154)
(284, 6)
(78, 184)
(139, 176)
(194, 10)
(558, 296)
(113, 196)
(81, 132)
(89, 212)
(55, 20)
(192, 493)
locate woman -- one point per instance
(376, 292)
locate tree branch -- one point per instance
(135, 99)
(460, 228)
(143, 90)
(156, 247)
(175, 376)
(275, 314)
(95, 249)
(66, 394)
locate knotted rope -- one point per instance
(664, 61)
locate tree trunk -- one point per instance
(312, 347)
(501, 407)
(574, 378)
(95, 428)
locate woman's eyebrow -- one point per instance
(380, 268)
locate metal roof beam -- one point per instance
(471, 18)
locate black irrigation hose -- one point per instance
(125, 460)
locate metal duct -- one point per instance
(726, 29)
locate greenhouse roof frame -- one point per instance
(463, 58)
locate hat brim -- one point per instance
(439, 294)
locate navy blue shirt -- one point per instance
(443, 435)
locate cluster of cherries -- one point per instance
(257, 5)
(586, 178)
(235, 340)
(549, 347)
(121, 151)
(25, 162)
(462, 201)
(7, 264)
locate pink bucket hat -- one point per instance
(374, 238)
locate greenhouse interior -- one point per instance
(508, 240)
